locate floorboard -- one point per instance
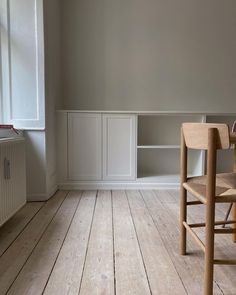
(225, 249)
(11, 229)
(98, 275)
(163, 277)
(67, 272)
(108, 243)
(189, 267)
(34, 275)
(130, 272)
(12, 261)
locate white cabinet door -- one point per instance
(119, 147)
(84, 146)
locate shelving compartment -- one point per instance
(163, 165)
(158, 150)
(158, 130)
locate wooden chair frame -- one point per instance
(210, 202)
(232, 205)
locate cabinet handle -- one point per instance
(7, 170)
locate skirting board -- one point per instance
(42, 197)
(93, 185)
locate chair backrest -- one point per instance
(196, 135)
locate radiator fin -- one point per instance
(12, 181)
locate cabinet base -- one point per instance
(94, 185)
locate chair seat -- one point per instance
(225, 187)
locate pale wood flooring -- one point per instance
(107, 242)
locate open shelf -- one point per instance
(158, 146)
(162, 131)
(163, 165)
(158, 149)
(160, 178)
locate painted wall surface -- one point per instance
(53, 85)
(149, 55)
(35, 165)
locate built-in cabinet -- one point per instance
(128, 150)
(100, 146)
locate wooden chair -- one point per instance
(208, 190)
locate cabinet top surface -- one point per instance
(11, 139)
(148, 112)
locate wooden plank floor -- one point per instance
(107, 242)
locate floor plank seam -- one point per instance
(113, 241)
(138, 243)
(90, 230)
(163, 241)
(217, 284)
(62, 243)
(23, 229)
(37, 243)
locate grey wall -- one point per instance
(52, 27)
(149, 55)
(35, 165)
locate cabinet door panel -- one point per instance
(84, 146)
(119, 147)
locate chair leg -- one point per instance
(183, 217)
(234, 218)
(234, 204)
(209, 249)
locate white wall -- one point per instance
(152, 54)
(53, 85)
(35, 165)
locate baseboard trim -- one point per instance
(52, 191)
(42, 197)
(92, 185)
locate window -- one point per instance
(22, 63)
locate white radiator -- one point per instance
(12, 177)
